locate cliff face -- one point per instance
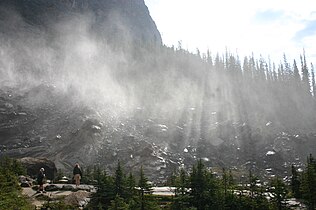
(52, 52)
(109, 19)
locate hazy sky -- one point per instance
(269, 27)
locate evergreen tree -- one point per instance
(198, 185)
(144, 188)
(209, 59)
(305, 75)
(225, 182)
(313, 80)
(281, 76)
(295, 183)
(252, 184)
(105, 189)
(59, 175)
(88, 175)
(279, 191)
(10, 190)
(231, 181)
(119, 181)
(182, 198)
(246, 69)
(287, 69)
(172, 179)
(131, 184)
(228, 188)
(274, 73)
(204, 188)
(118, 204)
(308, 185)
(297, 77)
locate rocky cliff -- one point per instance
(109, 19)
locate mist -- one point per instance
(70, 57)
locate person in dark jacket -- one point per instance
(40, 180)
(77, 174)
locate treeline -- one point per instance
(257, 91)
(200, 189)
(201, 91)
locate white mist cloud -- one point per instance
(71, 58)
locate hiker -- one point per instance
(77, 174)
(40, 180)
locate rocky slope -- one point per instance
(68, 133)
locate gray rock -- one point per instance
(52, 187)
(109, 16)
(33, 166)
(87, 188)
(26, 184)
(79, 198)
(67, 187)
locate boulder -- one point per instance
(87, 188)
(52, 187)
(23, 179)
(26, 184)
(33, 166)
(79, 198)
(67, 187)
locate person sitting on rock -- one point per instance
(40, 180)
(77, 174)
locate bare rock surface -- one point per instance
(76, 197)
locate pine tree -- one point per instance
(281, 73)
(252, 184)
(105, 189)
(287, 69)
(231, 181)
(10, 190)
(118, 204)
(144, 187)
(305, 74)
(308, 185)
(172, 179)
(279, 191)
(297, 77)
(59, 175)
(204, 188)
(131, 184)
(181, 200)
(119, 181)
(198, 185)
(209, 59)
(274, 73)
(225, 181)
(182, 182)
(313, 80)
(295, 183)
